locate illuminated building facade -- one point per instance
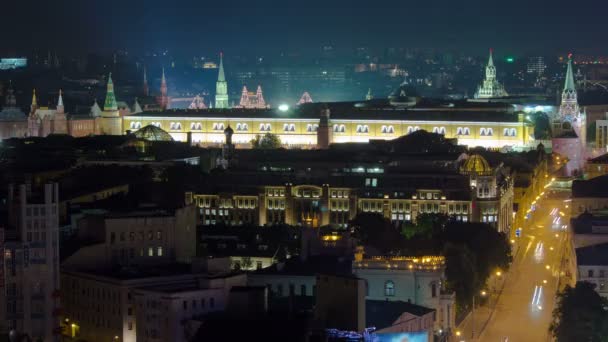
(266, 193)
(416, 280)
(493, 126)
(490, 88)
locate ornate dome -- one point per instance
(152, 133)
(476, 164)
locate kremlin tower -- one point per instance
(251, 100)
(163, 99)
(221, 87)
(569, 127)
(305, 98)
(197, 103)
(490, 88)
(111, 122)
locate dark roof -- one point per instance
(311, 267)
(592, 255)
(139, 272)
(460, 111)
(585, 223)
(603, 159)
(382, 314)
(595, 187)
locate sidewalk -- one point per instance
(471, 328)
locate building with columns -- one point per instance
(490, 87)
(330, 187)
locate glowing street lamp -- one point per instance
(283, 107)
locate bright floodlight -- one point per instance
(283, 108)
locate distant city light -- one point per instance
(510, 59)
(283, 107)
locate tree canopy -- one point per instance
(580, 315)
(473, 250)
(267, 141)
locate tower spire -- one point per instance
(491, 60)
(221, 87)
(569, 84)
(60, 107)
(110, 104)
(221, 77)
(163, 84)
(34, 100)
(261, 103)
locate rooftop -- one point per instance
(595, 255)
(595, 187)
(426, 110)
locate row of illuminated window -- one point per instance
(339, 205)
(371, 206)
(139, 236)
(429, 207)
(218, 212)
(278, 204)
(489, 218)
(339, 194)
(458, 208)
(308, 193)
(275, 192)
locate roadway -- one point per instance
(523, 311)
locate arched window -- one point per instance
(459, 131)
(482, 132)
(513, 132)
(590, 273)
(442, 130)
(342, 128)
(489, 132)
(506, 132)
(175, 126)
(389, 288)
(410, 129)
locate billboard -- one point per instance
(400, 337)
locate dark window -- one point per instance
(590, 273)
(303, 290)
(202, 303)
(433, 290)
(185, 304)
(212, 302)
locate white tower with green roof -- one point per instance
(221, 87)
(490, 87)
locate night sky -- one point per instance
(258, 26)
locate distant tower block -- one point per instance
(305, 98)
(490, 87)
(369, 95)
(221, 87)
(111, 122)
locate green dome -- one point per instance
(152, 133)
